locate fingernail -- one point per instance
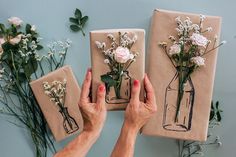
(101, 88)
(89, 69)
(136, 82)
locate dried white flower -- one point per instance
(209, 29)
(33, 28)
(106, 61)
(223, 42)
(202, 17)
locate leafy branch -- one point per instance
(78, 21)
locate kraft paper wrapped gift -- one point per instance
(63, 121)
(117, 97)
(161, 73)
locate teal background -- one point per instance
(51, 19)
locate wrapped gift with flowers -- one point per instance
(58, 95)
(182, 63)
(117, 57)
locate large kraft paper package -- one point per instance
(99, 68)
(62, 121)
(161, 72)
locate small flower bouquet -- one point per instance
(58, 95)
(187, 52)
(118, 58)
(182, 62)
(115, 55)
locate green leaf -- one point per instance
(73, 20)
(78, 13)
(39, 47)
(74, 28)
(218, 116)
(108, 80)
(83, 20)
(30, 67)
(28, 28)
(2, 28)
(217, 105)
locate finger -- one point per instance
(149, 90)
(135, 93)
(101, 95)
(86, 86)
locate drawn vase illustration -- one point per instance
(120, 92)
(69, 122)
(179, 101)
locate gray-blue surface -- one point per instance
(51, 19)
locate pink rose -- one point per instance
(16, 21)
(198, 39)
(122, 54)
(199, 61)
(15, 40)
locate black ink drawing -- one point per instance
(118, 58)
(57, 93)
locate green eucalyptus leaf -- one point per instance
(218, 115)
(73, 20)
(83, 20)
(78, 13)
(74, 28)
(28, 28)
(2, 28)
(39, 47)
(217, 105)
(108, 80)
(30, 67)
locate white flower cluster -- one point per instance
(118, 52)
(56, 91)
(56, 48)
(189, 46)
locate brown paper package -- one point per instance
(136, 70)
(161, 71)
(51, 112)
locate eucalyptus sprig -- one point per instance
(78, 21)
(193, 148)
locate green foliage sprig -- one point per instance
(193, 148)
(20, 63)
(78, 21)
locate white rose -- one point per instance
(198, 39)
(174, 49)
(122, 54)
(15, 21)
(199, 61)
(15, 40)
(33, 28)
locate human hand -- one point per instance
(137, 113)
(94, 114)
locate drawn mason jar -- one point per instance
(121, 91)
(178, 116)
(69, 122)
